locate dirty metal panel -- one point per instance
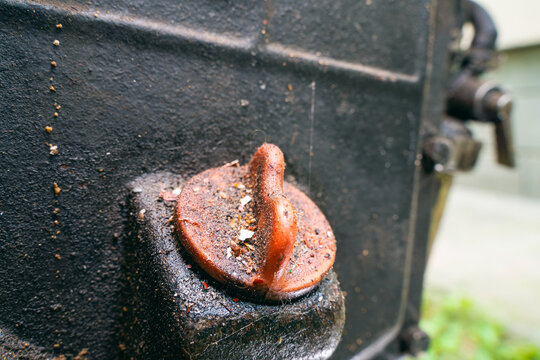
(238, 17)
(145, 87)
(382, 34)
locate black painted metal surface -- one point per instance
(347, 89)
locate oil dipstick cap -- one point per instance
(249, 229)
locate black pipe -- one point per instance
(482, 50)
(485, 31)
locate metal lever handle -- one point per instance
(499, 103)
(487, 102)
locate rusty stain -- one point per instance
(56, 188)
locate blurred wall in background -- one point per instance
(487, 246)
(519, 72)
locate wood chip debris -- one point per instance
(169, 195)
(245, 234)
(245, 200)
(239, 186)
(53, 149)
(233, 163)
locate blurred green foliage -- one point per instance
(459, 330)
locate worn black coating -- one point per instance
(180, 317)
(347, 89)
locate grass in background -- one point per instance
(459, 330)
